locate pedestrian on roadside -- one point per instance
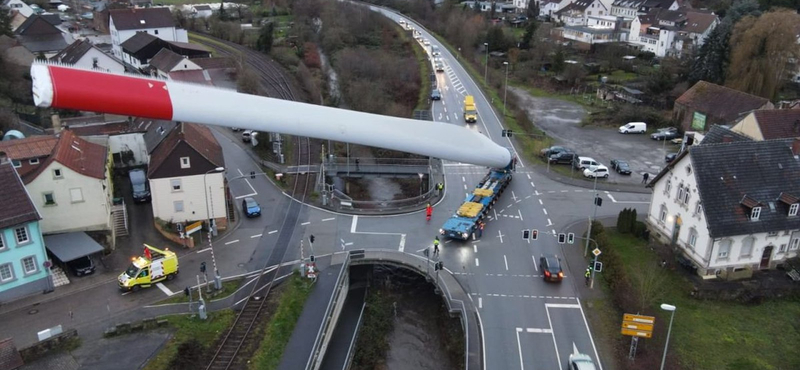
(436, 246)
(588, 275)
(645, 176)
(429, 213)
(481, 224)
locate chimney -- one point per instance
(3, 157)
(727, 138)
(796, 146)
(56, 123)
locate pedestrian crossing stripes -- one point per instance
(519, 296)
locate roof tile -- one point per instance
(135, 19)
(16, 207)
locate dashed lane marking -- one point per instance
(231, 242)
(272, 232)
(540, 202)
(328, 219)
(544, 210)
(255, 236)
(305, 223)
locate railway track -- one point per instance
(239, 334)
(272, 78)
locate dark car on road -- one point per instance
(547, 152)
(562, 158)
(668, 133)
(551, 268)
(436, 95)
(670, 157)
(81, 266)
(620, 166)
(251, 207)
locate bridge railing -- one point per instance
(383, 206)
(331, 318)
(339, 161)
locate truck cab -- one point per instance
(470, 113)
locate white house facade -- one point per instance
(183, 199)
(19, 6)
(751, 225)
(124, 23)
(83, 54)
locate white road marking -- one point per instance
(506, 261)
(255, 236)
(445, 109)
(538, 330)
(480, 302)
(535, 267)
(529, 176)
(533, 184)
(165, 289)
(540, 202)
(596, 356)
(246, 195)
(555, 345)
(477, 263)
(354, 224)
(537, 192)
(402, 242)
(527, 197)
(500, 235)
(562, 305)
(348, 244)
(305, 223)
(328, 219)
(544, 210)
(549, 223)
(231, 242)
(475, 248)
(203, 250)
(455, 116)
(513, 196)
(520, 215)
(463, 179)
(554, 232)
(465, 186)
(519, 349)
(272, 232)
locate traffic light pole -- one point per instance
(594, 215)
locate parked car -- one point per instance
(251, 207)
(670, 157)
(633, 128)
(140, 187)
(235, 129)
(247, 136)
(81, 266)
(426, 42)
(620, 166)
(439, 66)
(547, 152)
(596, 171)
(550, 266)
(582, 163)
(668, 133)
(562, 158)
(436, 95)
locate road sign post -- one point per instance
(638, 325)
(596, 252)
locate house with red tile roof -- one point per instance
(706, 104)
(770, 124)
(184, 184)
(68, 179)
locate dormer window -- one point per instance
(185, 162)
(793, 209)
(755, 213)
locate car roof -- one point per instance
(250, 200)
(586, 159)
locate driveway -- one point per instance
(561, 120)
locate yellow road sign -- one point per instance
(636, 326)
(639, 318)
(637, 333)
(193, 227)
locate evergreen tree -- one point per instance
(264, 42)
(632, 220)
(530, 30)
(532, 11)
(223, 14)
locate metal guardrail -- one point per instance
(325, 330)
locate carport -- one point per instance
(70, 246)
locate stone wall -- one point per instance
(55, 343)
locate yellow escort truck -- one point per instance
(470, 114)
(156, 265)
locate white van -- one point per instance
(583, 163)
(633, 128)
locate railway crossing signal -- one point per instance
(526, 234)
(534, 234)
(562, 238)
(508, 133)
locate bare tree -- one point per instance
(648, 283)
(248, 81)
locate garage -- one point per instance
(74, 250)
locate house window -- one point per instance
(57, 173)
(156, 31)
(782, 248)
(680, 192)
(76, 195)
(698, 208)
(772, 233)
(176, 185)
(22, 235)
(178, 204)
(49, 199)
(17, 164)
(33, 161)
(793, 209)
(669, 187)
(724, 249)
(755, 213)
(6, 272)
(29, 265)
(185, 162)
(793, 245)
(747, 247)
(663, 214)
(2, 243)
(688, 170)
(686, 196)
(692, 237)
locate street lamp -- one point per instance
(486, 68)
(671, 308)
(212, 227)
(505, 93)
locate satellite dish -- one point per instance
(13, 135)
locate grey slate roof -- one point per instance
(135, 19)
(74, 52)
(156, 131)
(718, 133)
(165, 60)
(726, 173)
(16, 207)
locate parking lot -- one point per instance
(561, 120)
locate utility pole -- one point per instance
(597, 201)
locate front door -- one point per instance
(766, 256)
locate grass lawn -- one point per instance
(615, 77)
(720, 335)
(228, 287)
(190, 327)
(280, 327)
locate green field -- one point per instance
(719, 335)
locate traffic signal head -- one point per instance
(526, 234)
(598, 201)
(562, 238)
(252, 174)
(312, 258)
(535, 234)
(571, 238)
(311, 238)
